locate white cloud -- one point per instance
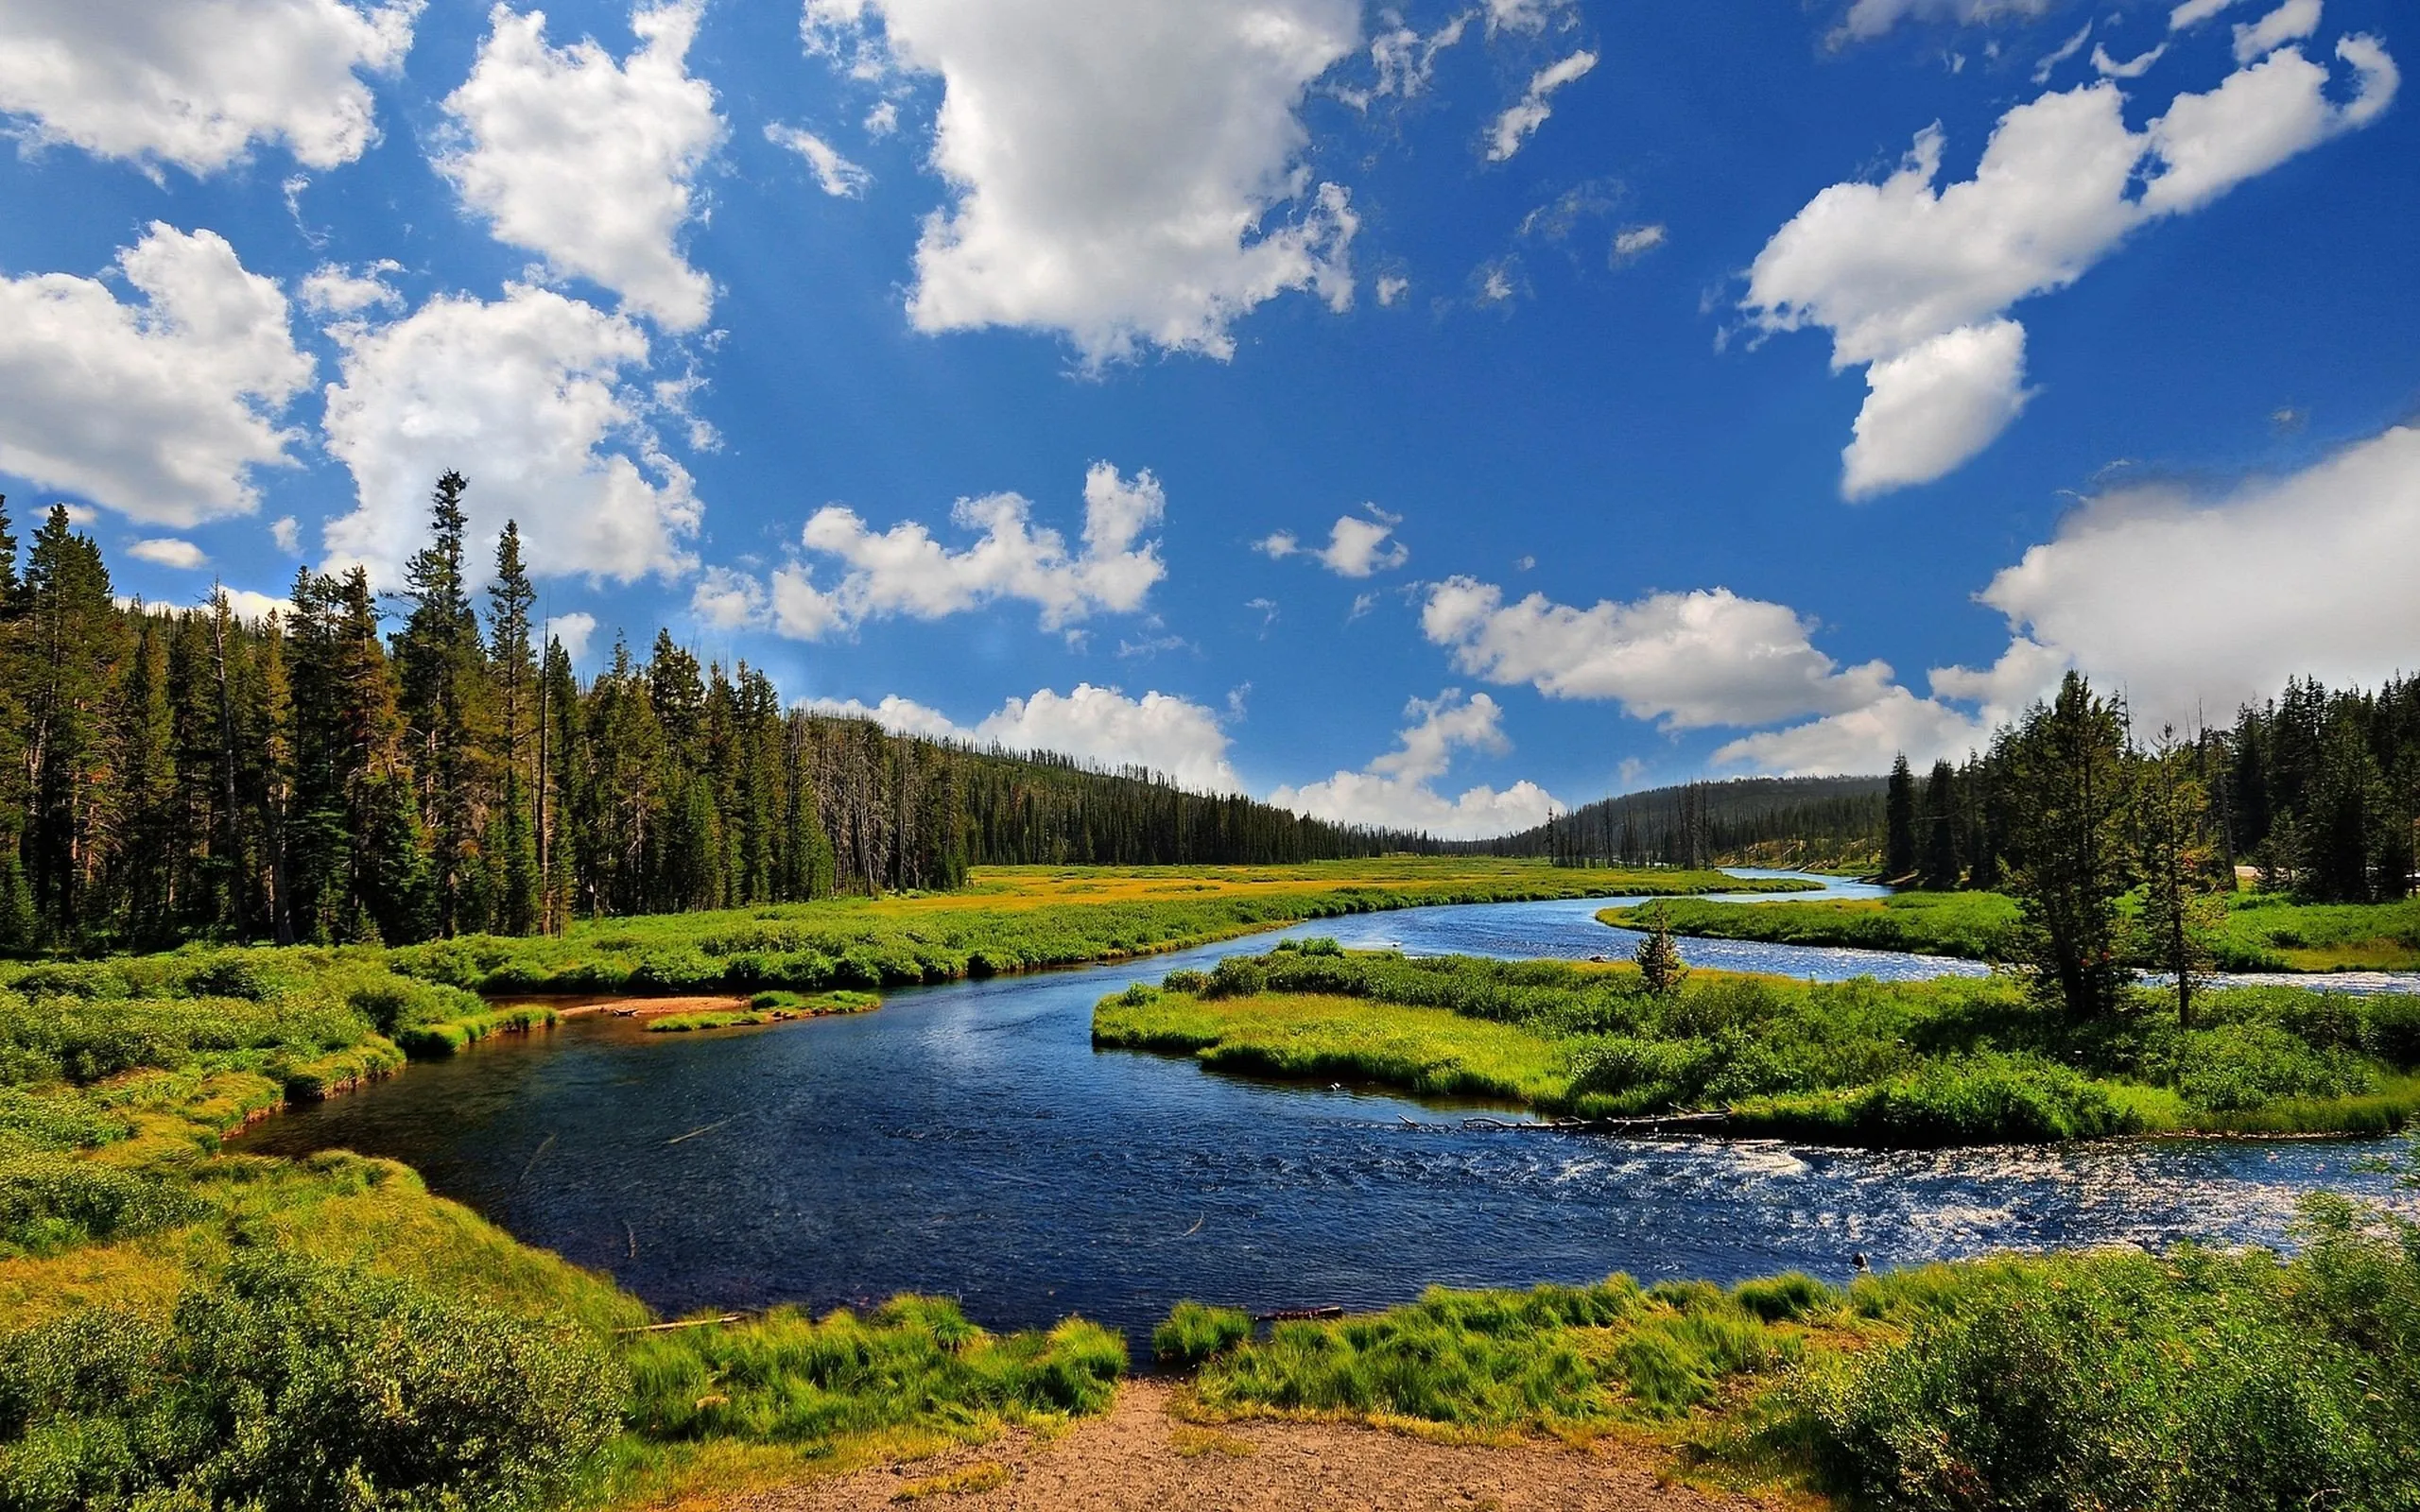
(169, 551)
(1397, 790)
(588, 161)
(288, 533)
(1355, 547)
(2196, 605)
(332, 289)
(196, 82)
(1690, 660)
(883, 119)
(1128, 173)
(526, 395)
(160, 410)
(2052, 59)
(1869, 19)
(2193, 12)
(1896, 269)
(1392, 288)
(1525, 15)
(2188, 606)
(1637, 241)
(1176, 737)
(1526, 115)
(834, 174)
(2291, 22)
(728, 600)
(904, 571)
(1934, 405)
(1405, 60)
(573, 631)
(2135, 67)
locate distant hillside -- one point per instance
(1778, 819)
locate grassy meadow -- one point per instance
(1921, 1064)
(2262, 931)
(2198, 1381)
(1009, 918)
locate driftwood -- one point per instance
(690, 1323)
(1298, 1315)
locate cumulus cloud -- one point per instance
(161, 410)
(531, 396)
(574, 631)
(904, 571)
(1689, 660)
(727, 599)
(1392, 287)
(1173, 736)
(196, 82)
(169, 551)
(1526, 115)
(1127, 173)
(1637, 241)
(288, 533)
(1934, 405)
(2193, 12)
(1405, 59)
(1398, 790)
(1355, 547)
(2301, 575)
(1525, 15)
(1869, 19)
(332, 289)
(2291, 22)
(1903, 272)
(834, 174)
(588, 161)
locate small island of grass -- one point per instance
(1915, 1064)
(766, 1007)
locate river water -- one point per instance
(966, 1139)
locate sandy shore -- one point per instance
(1139, 1458)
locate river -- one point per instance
(966, 1139)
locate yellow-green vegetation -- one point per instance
(2261, 932)
(1952, 1061)
(1007, 919)
(967, 1480)
(766, 1007)
(2196, 1380)
(184, 1328)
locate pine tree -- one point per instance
(1899, 822)
(514, 832)
(1658, 956)
(1940, 864)
(563, 772)
(2068, 801)
(70, 645)
(441, 666)
(2180, 916)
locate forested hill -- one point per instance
(348, 770)
(1700, 822)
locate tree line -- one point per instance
(355, 768)
(1694, 824)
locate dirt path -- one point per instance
(1140, 1459)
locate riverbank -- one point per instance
(2261, 932)
(1891, 1065)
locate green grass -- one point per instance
(2262, 931)
(1009, 920)
(764, 1007)
(2199, 1378)
(1910, 1064)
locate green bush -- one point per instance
(1185, 980)
(290, 1385)
(1192, 1333)
(53, 1202)
(1237, 976)
(2195, 1382)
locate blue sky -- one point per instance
(1423, 415)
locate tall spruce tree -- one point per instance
(1899, 822)
(441, 664)
(2069, 805)
(512, 843)
(1939, 868)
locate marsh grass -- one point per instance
(1906, 1064)
(766, 1007)
(2260, 932)
(1563, 1360)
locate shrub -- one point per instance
(52, 1202)
(1237, 976)
(290, 1385)
(1185, 980)
(1192, 1333)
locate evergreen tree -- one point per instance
(2068, 809)
(2180, 915)
(70, 646)
(1899, 822)
(1939, 872)
(513, 844)
(1658, 956)
(441, 669)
